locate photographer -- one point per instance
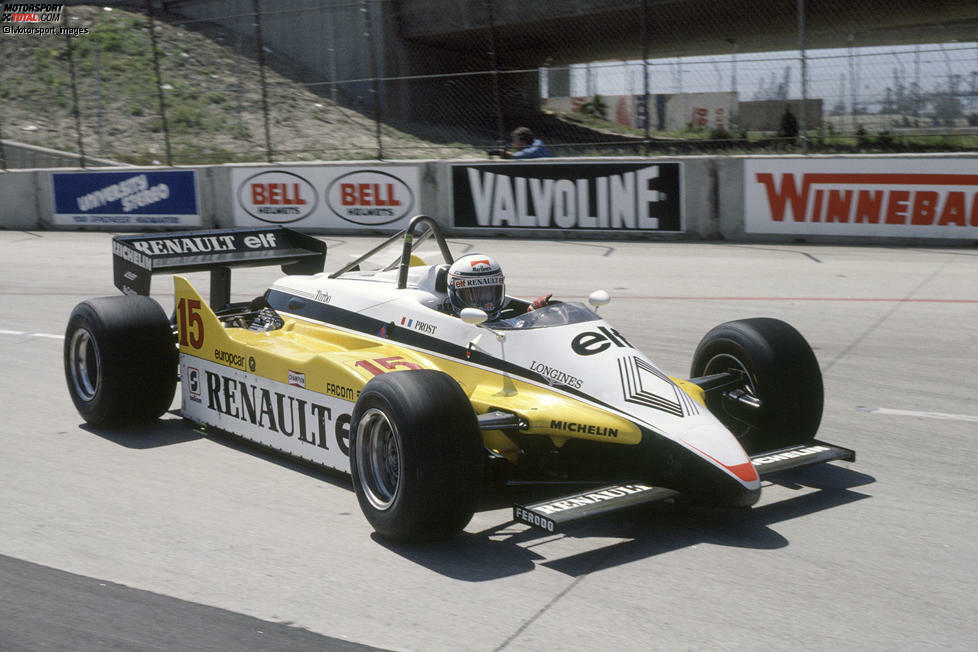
(525, 145)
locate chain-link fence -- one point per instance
(209, 81)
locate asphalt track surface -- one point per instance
(167, 538)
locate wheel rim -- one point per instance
(722, 363)
(378, 459)
(84, 364)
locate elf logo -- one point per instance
(277, 197)
(370, 197)
(592, 342)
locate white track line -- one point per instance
(26, 334)
(915, 413)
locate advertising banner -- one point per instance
(899, 197)
(709, 110)
(326, 197)
(644, 196)
(674, 112)
(137, 198)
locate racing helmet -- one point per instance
(476, 281)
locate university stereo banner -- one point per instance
(133, 198)
(645, 196)
(899, 197)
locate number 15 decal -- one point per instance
(378, 366)
(191, 323)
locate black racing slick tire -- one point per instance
(780, 370)
(120, 360)
(416, 456)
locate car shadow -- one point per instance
(162, 432)
(174, 429)
(511, 548)
(282, 459)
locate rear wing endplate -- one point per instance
(135, 258)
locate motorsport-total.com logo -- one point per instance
(35, 19)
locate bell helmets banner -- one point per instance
(326, 197)
(139, 198)
(903, 197)
(644, 196)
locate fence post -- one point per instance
(853, 81)
(3, 153)
(802, 118)
(645, 75)
(159, 82)
(256, 11)
(74, 94)
(98, 99)
(494, 62)
(374, 82)
(733, 86)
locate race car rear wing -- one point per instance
(135, 258)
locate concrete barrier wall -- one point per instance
(20, 156)
(919, 199)
(19, 200)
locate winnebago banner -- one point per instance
(644, 196)
(898, 197)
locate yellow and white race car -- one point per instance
(365, 372)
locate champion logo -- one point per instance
(297, 378)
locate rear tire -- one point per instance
(416, 456)
(120, 360)
(781, 370)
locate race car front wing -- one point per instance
(557, 513)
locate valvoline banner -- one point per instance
(133, 197)
(641, 196)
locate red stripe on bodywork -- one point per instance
(745, 471)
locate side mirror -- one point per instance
(473, 316)
(598, 298)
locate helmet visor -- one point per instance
(483, 293)
(487, 297)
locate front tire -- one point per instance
(120, 360)
(416, 456)
(779, 368)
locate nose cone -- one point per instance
(715, 444)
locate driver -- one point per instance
(477, 281)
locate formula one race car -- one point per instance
(365, 372)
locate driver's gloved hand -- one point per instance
(540, 302)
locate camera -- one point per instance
(499, 150)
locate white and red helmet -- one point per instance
(476, 281)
